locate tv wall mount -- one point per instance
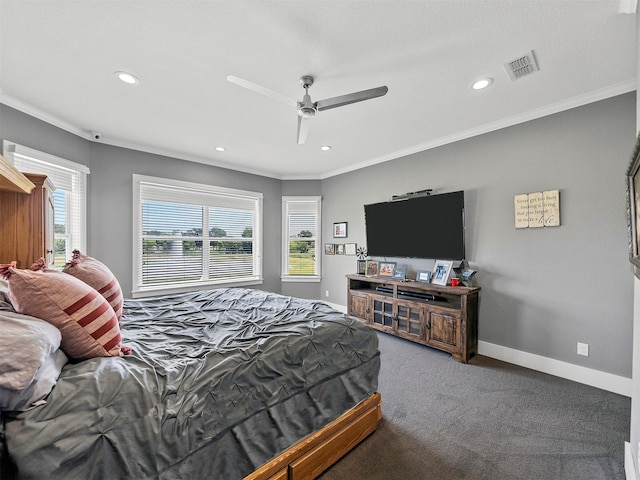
(408, 195)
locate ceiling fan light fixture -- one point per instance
(127, 77)
(482, 83)
(220, 149)
(325, 148)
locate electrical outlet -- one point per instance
(583, 349)
(326, 293)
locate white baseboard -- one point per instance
(631, 473)
(595, 378)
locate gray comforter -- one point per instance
(218, 383)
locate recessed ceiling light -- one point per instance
(482, 83)
(220, 149)
(325, 148)
(127, 77)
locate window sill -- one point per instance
(192, 288)
(301, 278)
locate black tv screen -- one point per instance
(421, 227)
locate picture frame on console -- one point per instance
(372, 268)
(387, 269)
(441, 272)
(362, 267)
(400, 274)
(423, 276)
(633, 208)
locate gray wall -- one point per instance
(543, 290)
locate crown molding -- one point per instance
(568, 104)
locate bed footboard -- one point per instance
(311, 456)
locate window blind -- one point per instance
(301, 220)
(190, 234)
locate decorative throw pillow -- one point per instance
(96, 274)
(88, 324)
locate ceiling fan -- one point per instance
(306, 108)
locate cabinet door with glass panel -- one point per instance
(383, 313)
(410, 320)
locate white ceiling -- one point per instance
(58, 59)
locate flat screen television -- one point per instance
(430, 226)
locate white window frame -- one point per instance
(76, 202)
(289, 204)
(140, 290)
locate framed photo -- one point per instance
(423, 276)
(349, 248)
(387, 269)
(329, 249)
(340, 249)
(340, 230)
(441, 272)
(633, 208)
(362, 267)
(372, 268)
(400, 274)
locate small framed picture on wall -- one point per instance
(340, 230)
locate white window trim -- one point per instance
(284, 277)
(10, 149)
(142, 291)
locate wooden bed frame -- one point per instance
(312, 455)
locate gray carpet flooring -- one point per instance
(486, 420)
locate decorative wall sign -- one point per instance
(537, 209)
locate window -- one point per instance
(69, 197)
(301, 234)
(189, 236)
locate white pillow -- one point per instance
(42, 384)
(25, 345)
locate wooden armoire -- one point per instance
(26, 217)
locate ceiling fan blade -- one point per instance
(303, 129)
(262, 90)
(334, 102)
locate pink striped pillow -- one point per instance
(96, 274)
(88, 324)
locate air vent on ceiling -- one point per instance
(521, 66)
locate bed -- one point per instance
(229, 383)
